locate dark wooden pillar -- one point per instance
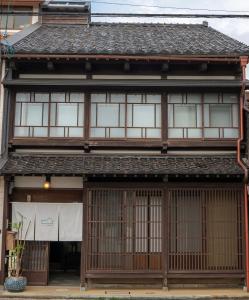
(165, 237)
(83, 280)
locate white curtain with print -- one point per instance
(70, 222)
(25, 212)
(47, 222)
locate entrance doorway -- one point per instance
(64, 263)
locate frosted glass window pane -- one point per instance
(153, 133)
(206, 115)
(185, 116)
(153, 98)
(211, 133)
(211, 98)
(67, 114)
(75, 132)
(143, 115)
(175, 98)
(31, 114)
(45, 115)
(194, 98)
(117, 132)
(122, 115)
(194, 133)
(230, 98)
(175, 133)
(21, 131)
(40, 132)
(98, 97)
(231, 133)
(97, 132)
(41, 97)
(52, 114)
(56, 131)
(129, 116)
(58, 97)
(108, 115)
(81, 115)
(158, 115)
(170, 115)
(18, 114)
(134, 98)
(93, 115)
(235, 116)
(23, 97)
(77, 97)
(220, 115)
(134, 132)
(120, 98)
(199, 116)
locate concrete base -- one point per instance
(63, 292)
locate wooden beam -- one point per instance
(167, 58)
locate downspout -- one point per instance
(243, 63)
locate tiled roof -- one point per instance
(128, 39)
(120, 164)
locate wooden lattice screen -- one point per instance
(124, 230)
(205, 229)
(201, 227)
(35, 262)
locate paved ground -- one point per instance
(71, 293)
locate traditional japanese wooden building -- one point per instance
(123, 145)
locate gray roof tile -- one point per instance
(129, 39)
(120, 164)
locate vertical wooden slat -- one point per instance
(205, 229)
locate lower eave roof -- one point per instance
(93, 164)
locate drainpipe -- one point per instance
(243, 63)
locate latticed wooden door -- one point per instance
(35, 263)
(124, 229)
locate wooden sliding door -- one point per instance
(124, 230)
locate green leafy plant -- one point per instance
(18, 250)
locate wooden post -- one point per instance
(83, 281)
(165, 237)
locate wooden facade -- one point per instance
(75, 120)
(150, 230)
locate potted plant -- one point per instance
(15, 282)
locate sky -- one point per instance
(236, 28)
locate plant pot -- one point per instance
(15, 284)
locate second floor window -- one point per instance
(54, 115)
(126, 115)
(208, 116)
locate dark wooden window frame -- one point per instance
(117, 142)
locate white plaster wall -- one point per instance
(56, 182)
(1, 215)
